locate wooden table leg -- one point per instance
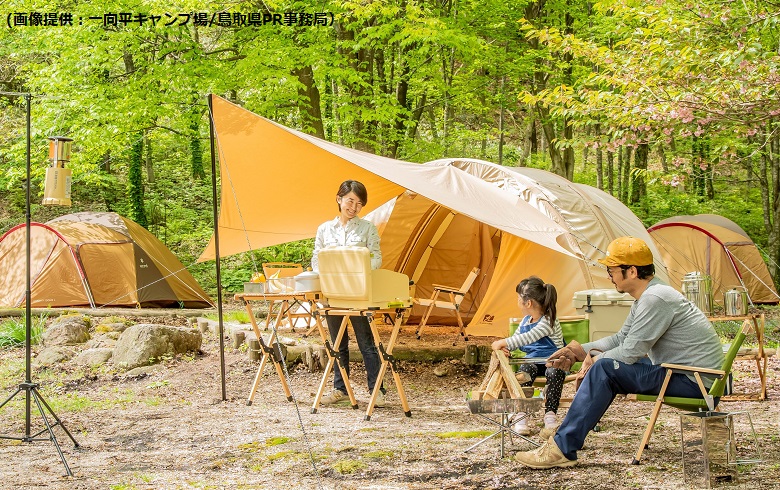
(333, 358)
(267, 352)
(312, 309)
(387, 361)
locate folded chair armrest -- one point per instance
(446, 289)
(710, 373)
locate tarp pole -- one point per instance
(216, 251)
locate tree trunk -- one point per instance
(619, 189)
(611, 173)
(662, 155)
(599, 161)
(626, 176)
(309, 101)
(557, 164)
(148, 159)
(135, 185)
(639, 184)
(196, 151)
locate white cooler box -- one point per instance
(606, 310)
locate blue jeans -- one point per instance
(365, 341)
(605, 379)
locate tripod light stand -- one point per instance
(29, 388)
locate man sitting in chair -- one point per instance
(662, 325)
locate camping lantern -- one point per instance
(56, 189)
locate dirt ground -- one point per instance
(169, 429)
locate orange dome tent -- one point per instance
(94, 259)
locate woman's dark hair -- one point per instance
(353, 186)
(535, 289)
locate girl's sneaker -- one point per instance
(550, 425)
(521, 426)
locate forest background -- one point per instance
(671, 106)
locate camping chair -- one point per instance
(574, 327)
(455, 296)
(293, 310)
(708, 401)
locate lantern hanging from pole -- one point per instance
(56, 189)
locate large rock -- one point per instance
(145, 344)
(102, 342)
(53, 355)
(67, 330)
(94, 357)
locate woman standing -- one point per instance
(350, 230)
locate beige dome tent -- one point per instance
(715, 246)
(437, 245)
(94, 259)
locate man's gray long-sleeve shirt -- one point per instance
(666, 327)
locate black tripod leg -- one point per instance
(59, 422)
(10, 397)
(52, 437)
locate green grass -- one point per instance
(348, 466)
(230, 316)
(13, 330)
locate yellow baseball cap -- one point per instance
(627, 250)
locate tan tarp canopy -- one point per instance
(434, 245)
(278, 185)
(94, 259)
(718, 247)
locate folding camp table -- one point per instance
(385, 353)
(289, 300)
(270, 350)
(759, 355)
(507, 410)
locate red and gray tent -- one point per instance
(715, 246)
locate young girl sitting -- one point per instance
(539, 336)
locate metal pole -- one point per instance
(28, 293)
(29, 388)
(216, 249)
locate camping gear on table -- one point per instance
(697, 288)
(348, 281)
(308, 281)
(735, 302)
(606, 310)
(352, 288)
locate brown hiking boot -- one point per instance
(545, 456)
(334, 397)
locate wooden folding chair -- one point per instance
(454, 297)
(709, 399)
(293, 310)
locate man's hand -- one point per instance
(564, 358)
(586, 365)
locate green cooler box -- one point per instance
(606, 310)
